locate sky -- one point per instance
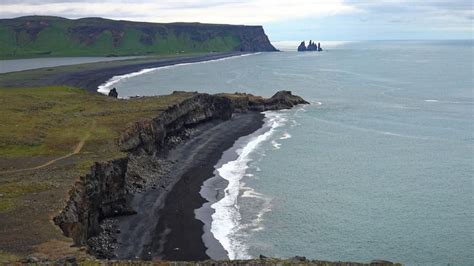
(283, 20)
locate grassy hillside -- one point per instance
(41, 125)
(37, 36)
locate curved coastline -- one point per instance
(220, 214)
(105, 87)
(175, 235)
(91, 76)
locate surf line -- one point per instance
(226, 217)
(107, 86)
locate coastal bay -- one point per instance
(379, 164)
(164, 226)
(90, 76)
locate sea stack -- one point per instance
(312, 46)
(302, 47)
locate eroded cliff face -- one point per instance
(104, 192)
(149, 136)
(254, 39)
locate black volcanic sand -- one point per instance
(165, 226)
(89, 76)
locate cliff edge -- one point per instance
(103, 192)
(43, 36)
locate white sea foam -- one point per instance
(107, 86)
(256, 224)
(449, 102)
(286, 135)
(226, 218)
(276, 145)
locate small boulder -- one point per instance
(113, 93)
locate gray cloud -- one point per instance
(434, 12)
(388, 6)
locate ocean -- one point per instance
(379, 166)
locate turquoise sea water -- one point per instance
(379, 166)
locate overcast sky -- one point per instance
(282, 19)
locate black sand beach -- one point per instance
(90, 76)
(165, 226)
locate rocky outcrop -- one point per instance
(254, 39)
(283, 100)
(302, 47)
(101, 193)
(243, 102)
(149, 136)
(312, 46)
(113, 93)
(94, 197)
(105, 191)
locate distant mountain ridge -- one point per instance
(42, 36)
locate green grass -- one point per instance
(11, 190)
(50, 121)
(41, 124)
(50, 36)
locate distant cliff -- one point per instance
(39, 36)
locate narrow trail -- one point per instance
(77, 149)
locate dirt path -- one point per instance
(77, 149)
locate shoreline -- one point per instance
(165, 226)
(105, 87)
(159, 181)
(213, 191)
(90, 76)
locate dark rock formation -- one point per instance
(149, 136)
(113, 93)
(283, 100)
(101, 193)
(94, 197)
(105, 191)
(312, 46)
(302, 47)
(254, 39)
(242, 102)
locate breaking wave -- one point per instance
(226, 220)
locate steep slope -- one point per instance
(36, 36)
